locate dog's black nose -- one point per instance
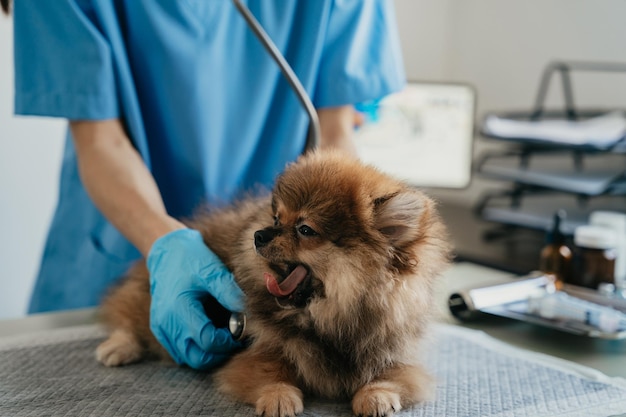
(264, 236)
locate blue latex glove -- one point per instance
(182, 271)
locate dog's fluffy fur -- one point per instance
(372, 248)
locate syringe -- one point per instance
(559, 305)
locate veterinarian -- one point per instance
(175, 103)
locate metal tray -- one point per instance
(511, 300)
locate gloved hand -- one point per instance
(182, 271)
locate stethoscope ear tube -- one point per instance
(314, 134)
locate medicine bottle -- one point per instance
(615, 221)
(555, 257)
(595, 256)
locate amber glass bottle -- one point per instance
(556, 256)
(595, 256)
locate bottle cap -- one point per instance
(596, 237)
(610, 219)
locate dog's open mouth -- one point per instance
(294, 290)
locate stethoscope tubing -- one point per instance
(237, 323)
(314, 134)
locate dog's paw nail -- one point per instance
(375, 402)
(280, 400)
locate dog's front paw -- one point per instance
(121, 348)
(279, 400)
(376, 400)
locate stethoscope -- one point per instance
(237, 322)
(313, 136)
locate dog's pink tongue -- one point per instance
(288, 285)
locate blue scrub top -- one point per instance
(203, 103)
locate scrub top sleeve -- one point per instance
(362, 59)
(63, 64)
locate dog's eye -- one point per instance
(305, 230)
(276, 221)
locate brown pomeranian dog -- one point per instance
(338, 268)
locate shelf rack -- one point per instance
(537, 186)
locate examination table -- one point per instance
(47, 368)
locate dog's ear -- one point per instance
(397, 216)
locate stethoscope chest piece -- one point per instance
(237, 325)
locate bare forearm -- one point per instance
(337, 128)
(119, 182)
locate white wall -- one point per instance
(502, 46)
(424, 27)
(30, 156)
(499, 46)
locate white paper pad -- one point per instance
(602, 131)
